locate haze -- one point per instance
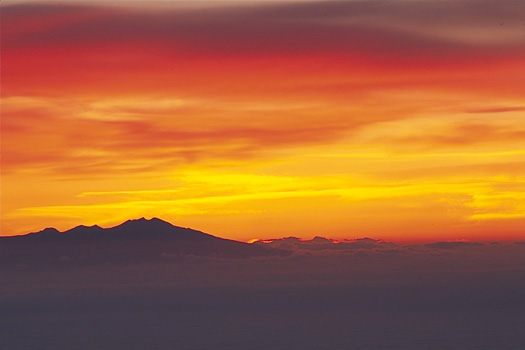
(146, 284)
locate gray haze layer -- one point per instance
(287, 294)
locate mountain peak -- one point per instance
(141, 228)
(48, 231)
(154, 228)
(143, 220)
(146, 224)
(135, 240)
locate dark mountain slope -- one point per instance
(133, 241)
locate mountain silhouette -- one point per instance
(138, 229)
(133, 241)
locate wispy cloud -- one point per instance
(354, 110)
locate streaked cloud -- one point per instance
(265, 112)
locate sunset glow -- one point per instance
(403, 121)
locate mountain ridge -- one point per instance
(135, 240)
(132, 228)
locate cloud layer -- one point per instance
(382, 96)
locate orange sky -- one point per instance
(395, 120)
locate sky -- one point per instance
(400, 120)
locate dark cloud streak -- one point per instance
(390, 28)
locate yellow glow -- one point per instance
(268, 140)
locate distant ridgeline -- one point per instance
(133, 241)
(142, 240)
